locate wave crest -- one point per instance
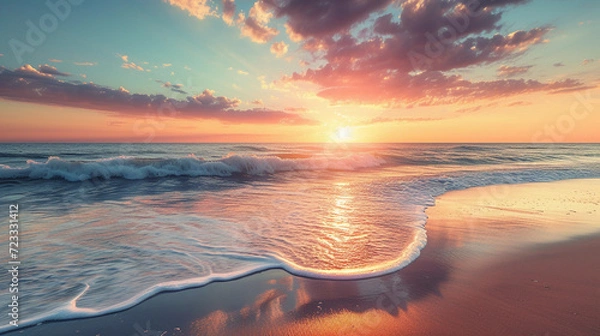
(132, 168)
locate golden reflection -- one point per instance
(343, 233)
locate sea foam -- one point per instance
(132, 168)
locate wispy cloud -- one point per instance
(173, 87)
(85, 63)
(510, 71)
(129, 65)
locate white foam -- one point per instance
(71, 311)
(136, 168)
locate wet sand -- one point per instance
(500, 260)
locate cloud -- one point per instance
(255, 26)
(519, 103)
(242, 72)
(28, 72)
(228, 11)
(132, 65)
(424, 89)
(477, 50)
(476, 108)
(407, 59)
(559, 64)
(172, 87)
(27, 84)
(320, 18)
(257, 102)
(197, 8)
(85, 63)
(587, 61)
(50, 70)
(279, 49)
(54, 60)
(510, 71)
(1, 55)
(129, 65)
(166, 65)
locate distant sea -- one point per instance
(104, 226)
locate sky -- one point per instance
(299, 71)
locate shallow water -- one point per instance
(103, 226)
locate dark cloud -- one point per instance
(407, 59)
(228, 11)
(50, 70)
(559, 64)
(476, 108)
(27, 84)
(172, 87)
(424, 89)
(319, 18)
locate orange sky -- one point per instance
(264, 71)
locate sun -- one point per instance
(342, 134)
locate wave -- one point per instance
(132, 168)
(421, 192)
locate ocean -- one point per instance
(104, 226)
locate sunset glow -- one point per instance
(273, 71)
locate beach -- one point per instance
(500, 260)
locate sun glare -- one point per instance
(342, 134)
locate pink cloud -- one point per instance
(228, 11)
(318, 18)
(279, 49)
(129, 65)
(407, 59)
(197, 8)
(255, 26)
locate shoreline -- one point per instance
(450, 263)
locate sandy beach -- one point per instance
(500, 260)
